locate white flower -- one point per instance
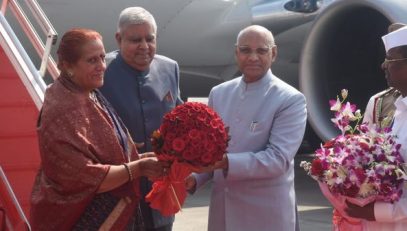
(358, 114)
(306, 165)
(337, 105)
(347, 111)
(366, 189)
(400, 174)
(342, 172)
(370, 173)
(353, 178)
(329, 177)
(339, 180)
(391, 158)
(344, 93)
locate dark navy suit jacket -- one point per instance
(141, 99)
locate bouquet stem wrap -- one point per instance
(340, 220)
(168, 193)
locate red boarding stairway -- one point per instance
(11, 215)
(21, 95)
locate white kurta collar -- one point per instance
(401, 105)
(257, 84)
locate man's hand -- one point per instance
(366, 212)
(222, 164)
(190, 183)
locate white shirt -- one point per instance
(393, 217)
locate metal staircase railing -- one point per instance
(13, 214)
(43, 50)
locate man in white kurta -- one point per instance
(382, 216)
(254, 189)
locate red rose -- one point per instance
(214, 124)
(316, 167)
(210, 112)
(206, 158)
(188, 155)
(360, 174)
(364, 146)
(169, 136)
(329, 144)
(201, 117)
(352, 191)
(178, 144)
(193, 134)
(211, 147)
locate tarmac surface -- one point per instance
(315, 212)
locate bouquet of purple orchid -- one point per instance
(363, 161)
(361, 165)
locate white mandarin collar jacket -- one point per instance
(266, 122)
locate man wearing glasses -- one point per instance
(142, 86)
(253, 186)
(379, 215)
(380, 108)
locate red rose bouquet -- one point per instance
(191, 136)
(361, 165)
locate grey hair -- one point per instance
(135, 16)
(267, 33)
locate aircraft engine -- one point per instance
(344, 50)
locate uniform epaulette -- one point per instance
(389, 91)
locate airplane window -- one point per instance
(305, 6)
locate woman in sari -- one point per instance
(88, 177)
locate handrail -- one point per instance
(48, 29)
(22, 63)
(3, 6)
(41, 49)
(40, 17)
(15, 218)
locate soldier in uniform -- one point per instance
(380, 108)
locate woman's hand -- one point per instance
(147, 154)
(152, 168)
(118, 174)
(139, 145)
(366, 212)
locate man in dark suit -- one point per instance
(142, 86)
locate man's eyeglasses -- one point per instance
(387, 61)
(246, 50)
